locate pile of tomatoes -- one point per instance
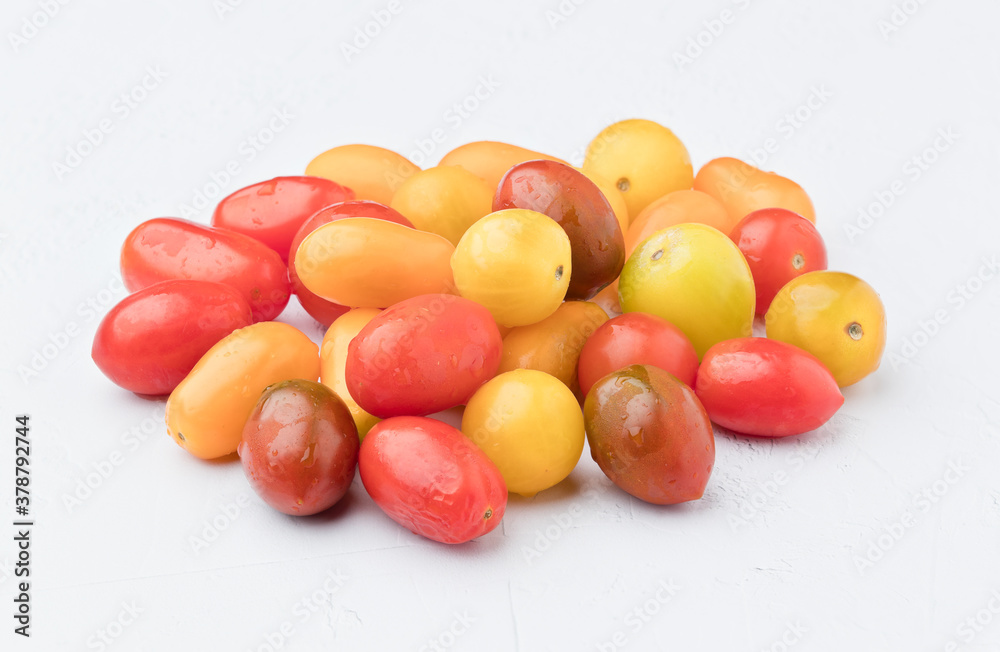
(613, 303)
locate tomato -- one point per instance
(553, 345)
(530, 425)
(371, 172)
(579, 207)
(165, 248)
(678, 207)
(637, 338)
(613, 195)
(299, 447)
(515, 262)
(153, 338)
(322, 310)
(766, 388)
(694, 277)
(333, 361)
(490, 160)
(272, 211)
(778, 245)
(431, 480)
(743, 189)
(650, 435)
(368, 263)
(444, 200)
(422, 355)
(206, 412)
(836, 317)
(643, 159)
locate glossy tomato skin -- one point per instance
(300, 448)
(423, 355)
(323, 311)
(578, 206)
(779, 245)
(650, 435)
(428, 477)
(756, 386)
(272, 211)
(637, 338)
(153, 338)
(167, 248)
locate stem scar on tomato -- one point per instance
(559, 272)
(855, 331)
(488, 514)
(623, 184)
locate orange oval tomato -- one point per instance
(743, 189)
(371, 172)
(490, 160)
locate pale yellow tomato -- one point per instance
(333, 361)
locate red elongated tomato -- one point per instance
(766, 388)
(167, 248)
(431, 479)
(272, 211)
(153, 338)
(322, 310)
(423, 355)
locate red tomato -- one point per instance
(300, 447)
(431, 479)
(322, 310)
(166, 248)
(272, 211)
(423, 355)
(637, 338)
(152, 339)
(779, 245)
(580, 208)
(766, 388)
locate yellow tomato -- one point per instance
(368, 263)
(679, 207)
(743, 189)
(644, 160)
(371, 172)
(694, 277)
(614, 197)
(835, 316)
(553, 345)
(530, 425)
(444, 200)
(515, 262)
(333, 362)
(206, 412)
(490, 160)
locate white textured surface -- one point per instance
(790, 570)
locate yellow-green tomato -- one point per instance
(694, 277)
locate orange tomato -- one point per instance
(371, 172)
(743, 189)
(490, 160)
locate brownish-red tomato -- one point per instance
(272, 211)
(637, 338)
(323, 311)
(153, 338)
(300, 447)
(431, 479)
(578, 206)
(766, 388)
(650, 435)
(166, 248)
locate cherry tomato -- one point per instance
(637, 338)
(490, 160)
(444, 200)
(333, 361)
(206, 412)
(429, 478)
(650, 435)
(272, 211)
(766, 388)
(779, 245)
(166, 248)
(299, 448)
(743, 189)
(422, 355)
(371, 172)
(579, 207)
(153, 338)
(322, 310)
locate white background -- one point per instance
(839, 552)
